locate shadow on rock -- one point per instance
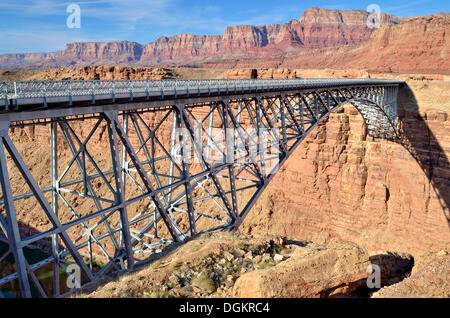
(391, 269)
(417, 137)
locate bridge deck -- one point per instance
(38, 95)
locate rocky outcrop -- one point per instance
(225, 265)
(242, 74)
(319, 273)
(420, 44)
(117, 51)
(103, 73)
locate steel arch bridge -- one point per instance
(137, 166)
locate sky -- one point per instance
(41, 25)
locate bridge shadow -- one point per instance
(417, 137)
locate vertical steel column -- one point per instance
(186, 175)
(124, 163)
(283, 125)
(229, 157)
(55, 191)
(210, 132)
(173, 140)
(14, 239)
(124, 152)
(260, 146)
(112, 120)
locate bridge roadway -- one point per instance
(145, 199)
(23, 95)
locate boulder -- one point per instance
(319, 273)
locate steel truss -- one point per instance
(111, 211)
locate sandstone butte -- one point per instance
(317, 28)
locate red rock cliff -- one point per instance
(317, 28)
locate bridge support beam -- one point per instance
(113, 208)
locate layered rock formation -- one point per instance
(101, 73)
(119, 51)
(317, 28)
(417, 45)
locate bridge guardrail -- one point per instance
(22, 90)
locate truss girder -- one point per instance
(113, 205)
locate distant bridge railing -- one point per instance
(13, 94)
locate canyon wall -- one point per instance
(418, 45)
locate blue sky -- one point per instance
(40, 25)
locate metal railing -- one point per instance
(18, 91)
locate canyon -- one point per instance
(320, 39)
(339, 186)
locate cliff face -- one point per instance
(117, 51)
(180, 46)
(320, 28)
(317, 28)
(7, 60)
(342, 184)
(418, 45)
